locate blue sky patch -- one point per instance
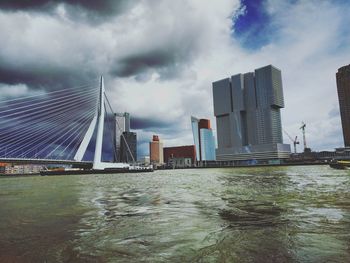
(253, 27)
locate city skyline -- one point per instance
(170, 61)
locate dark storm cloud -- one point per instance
(13, 5)
(168, 62)
(169, 59)
(144, 124)
(91, 10)
(103, 7)
(137, 63)
(38, 77)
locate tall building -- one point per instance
(128, 147)
(122, 124)
(247, 110)
(156, 151)
(343, 85)
(203, 138)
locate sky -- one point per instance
(159, 58)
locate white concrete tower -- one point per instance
(98, 121)
(100, 126)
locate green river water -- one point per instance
(280, 214)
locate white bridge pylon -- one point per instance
(98, 120)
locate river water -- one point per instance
(280, 214)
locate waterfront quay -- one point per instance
(260, 214)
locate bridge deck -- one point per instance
(41, 161)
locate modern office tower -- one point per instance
(203, 139)
(180, 156)
(248, 119)
(122, 124)
(128, 147)
(156, 151)
(343, 85)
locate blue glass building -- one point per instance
(203, 138)
(207, 143)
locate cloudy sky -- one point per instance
(159, 58)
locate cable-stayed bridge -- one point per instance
(68, 126)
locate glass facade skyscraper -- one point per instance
(207, 142)
(203, 138)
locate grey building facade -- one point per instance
(247, 110)
(122, 124)
(343, 86)
(128, 147)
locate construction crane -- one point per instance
(295, 141)
(303, 125)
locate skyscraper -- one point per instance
(156, 151)
(122, 124)
(128, 147)
(203, 139)
(343, 86)
(247, 109)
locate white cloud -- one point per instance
(307, 52)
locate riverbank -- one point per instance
(18, 175)
(79, 172)
(245, 166)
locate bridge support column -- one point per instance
(98, 121)
(100, 127)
